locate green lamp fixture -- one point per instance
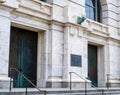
(80, 20)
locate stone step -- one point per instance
(61, 91)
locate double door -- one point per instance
(23, 56)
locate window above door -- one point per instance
(93, 10)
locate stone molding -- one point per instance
(34, 8)
(42, 10)
(88, 26)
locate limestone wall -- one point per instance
(60, 36)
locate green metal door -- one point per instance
(92, 64)
(23, 56)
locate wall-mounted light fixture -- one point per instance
(81, 20)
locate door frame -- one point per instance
(100, 63)
(41, 49)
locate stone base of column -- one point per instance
(66, 84)
(115, 83)
(4, 82)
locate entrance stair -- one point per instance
(61, 91)
(58, 91)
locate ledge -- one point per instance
(92, 27)
(34, 8)
(10, 4)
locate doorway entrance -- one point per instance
(92, 64)
(23, 56)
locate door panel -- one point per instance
(23, 55)
(92, 64)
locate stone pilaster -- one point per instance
(42, 64)
(4, 46)
(55, 56)
(66, 62)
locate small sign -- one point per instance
(76, 60)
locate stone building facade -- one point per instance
(44, 41)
